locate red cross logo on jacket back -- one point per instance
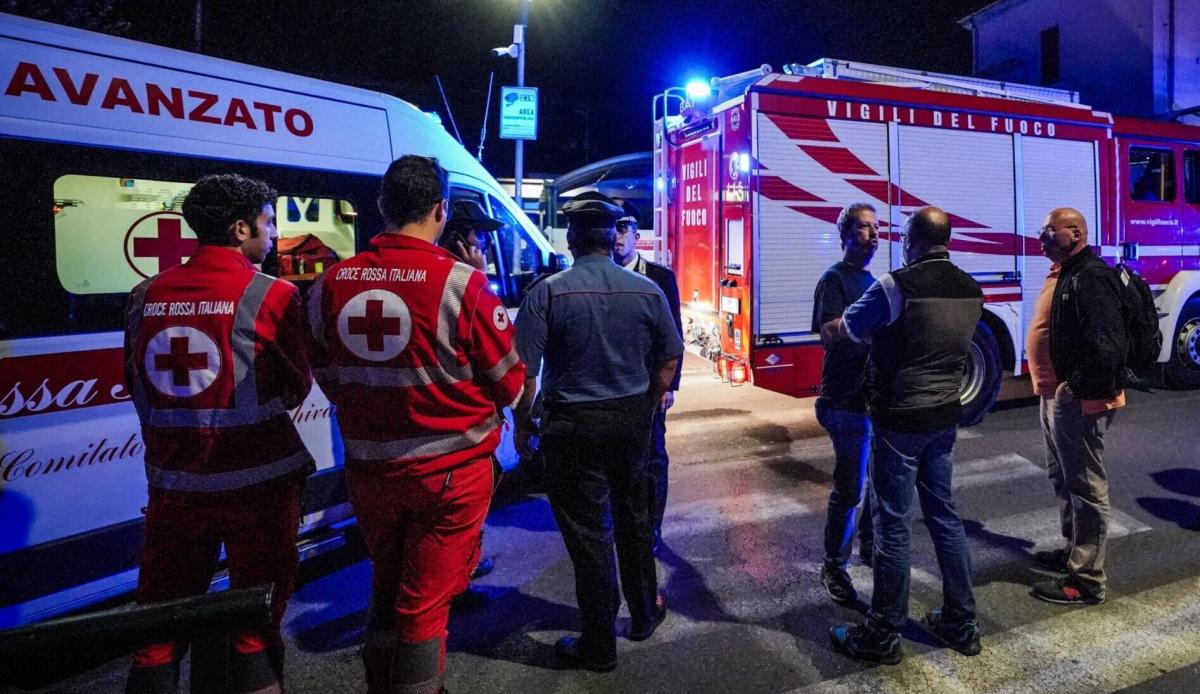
(375, 325)
(182, 361)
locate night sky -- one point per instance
(597, 63)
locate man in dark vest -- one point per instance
(919, 320)
(626, 255)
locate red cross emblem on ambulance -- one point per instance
(159, 241)
(375, 325)
(182, 361)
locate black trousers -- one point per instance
(599, 488)
(658, 462)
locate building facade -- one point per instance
(1131, 57)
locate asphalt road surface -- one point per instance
(749, 481)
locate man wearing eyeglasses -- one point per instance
(1076, 347)
(626, 255)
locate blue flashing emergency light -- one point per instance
(743, 162)
(698, 90)
(495, 287)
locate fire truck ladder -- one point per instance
(832, 68)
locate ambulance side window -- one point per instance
(521, 253)
(1151, 174)
(314, 233)
(86, 224)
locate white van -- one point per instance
(100, 140)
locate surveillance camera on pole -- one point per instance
(512, 50)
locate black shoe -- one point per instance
(660, 613)
(964, 639)
(483, 568)
(571, 650)
(865, 642)
(837, 585)
(866, 552)
(1052, 560)
(1067, 590)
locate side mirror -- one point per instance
(558, 263)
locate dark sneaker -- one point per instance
(641, 633)
(866, 552)
(573, 652)
(1067, 590)
(964, 638)
(837, 584)
(865, 642)
(1052, 560)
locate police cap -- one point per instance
(470, 214)
(593, 208)
(629, 213)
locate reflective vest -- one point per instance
(416, 353)
(215, 357)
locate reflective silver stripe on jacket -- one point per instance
(246, 407)
(177, 481)
(421, 446)
(502, 367)
(316, 321)
(133, 326)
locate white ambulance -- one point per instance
(100, 140)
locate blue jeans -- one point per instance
(901, 461)
(851, 435)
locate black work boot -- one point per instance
(837, 584)
(963, 638)
(867, 642)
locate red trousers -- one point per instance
(182, 549)
(423, 535)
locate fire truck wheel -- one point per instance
(981, 376)
(1182, 371)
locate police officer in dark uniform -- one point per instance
(607, 348)
(626, 255)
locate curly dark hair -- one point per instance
(411, 186)
(217, 201)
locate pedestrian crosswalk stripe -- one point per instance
(706, 515)
(1125, 642)
(1043, 528)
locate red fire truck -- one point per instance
(749, 183)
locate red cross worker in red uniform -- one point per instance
(417, 355)
(215, 356)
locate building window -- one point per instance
(1151, 174)
(1050, 62)
(1191, 175)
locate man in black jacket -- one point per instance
(626, 255)
(1079, 329)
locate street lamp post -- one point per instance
(519, 42)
